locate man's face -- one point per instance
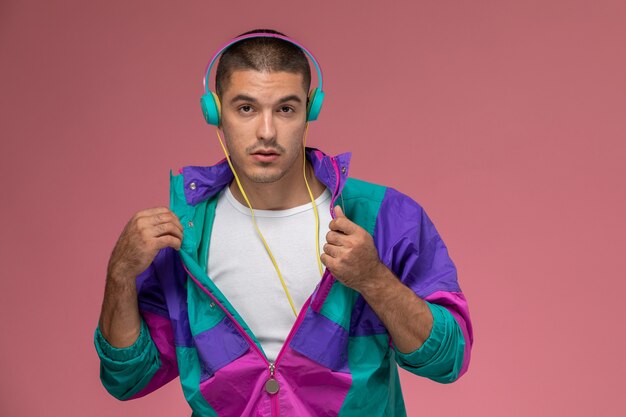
(263, 119)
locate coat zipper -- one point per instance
(271, 385)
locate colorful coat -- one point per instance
(338, 358)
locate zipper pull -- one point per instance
(271, 385)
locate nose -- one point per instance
(266, 130)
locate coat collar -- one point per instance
(202, 183)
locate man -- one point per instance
(225, 288)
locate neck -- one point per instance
(288, 192)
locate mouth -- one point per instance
(265, 152)
(265, 155)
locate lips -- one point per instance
(265, 155)
(265, 152)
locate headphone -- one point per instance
(210, 103)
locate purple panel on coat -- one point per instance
(166, 275)
(325, 170)
(203, 182)
(364, 322)
(162, 335)
(219, 346)
(411, 247)
(321, 291)
(149, 293)
(323, 341)
(343, 164)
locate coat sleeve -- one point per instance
(149, 363)
(413, 249)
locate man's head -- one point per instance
(263, 54)
(263, 87)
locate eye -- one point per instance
(286, 109)
(245, 108)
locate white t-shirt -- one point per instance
(241, 268)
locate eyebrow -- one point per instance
(243, 97)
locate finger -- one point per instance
(168, 217)
(328, 261)
(335, 238)
(154, 222)
(168, 241)
(338, 212)
(152, 211)
(343, 225)
(177, 221)
(331, 250)
(166, 229)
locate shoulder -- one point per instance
(382, 198)
(356, 188)
(370, 204)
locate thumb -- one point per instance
(339, 212)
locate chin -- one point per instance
(266, 177)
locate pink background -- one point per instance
(505, 120)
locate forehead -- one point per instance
(252, 82)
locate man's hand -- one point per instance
(352, 258)
(350, 254)
(146, 233)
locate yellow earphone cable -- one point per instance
(267, 248)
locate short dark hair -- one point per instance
(262, 54)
